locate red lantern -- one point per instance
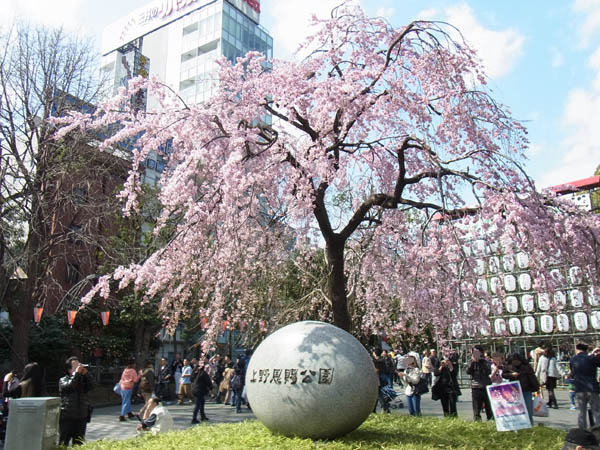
(71, 317)
(262, 325)
(104, 315)
(225, 324)
(37, 315)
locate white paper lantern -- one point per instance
(528, 303)
(486, 328)
(512, 304)
(525, 281)
(508, 262)
(581, 321)
(500, 326)
(494, 264)
(494, 283)
(592, 298)
(529, 324)
(547, 323)
(544, 301)
(457, 330)
(575, 275)
(576, 297)
(557, 276)
(562, 322)
(514, 325)
(496, 306)
(510, 283)
(479, 247)
(560, 299)
(467, 307)
(479, 268)
(482, 286)
(485, 308)
(595, 320)
(522, 260)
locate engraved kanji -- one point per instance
(325, 376)
(276, 378)
(263, 375)
(290, 375)
(308, 374)
(253, 379)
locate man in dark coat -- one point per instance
(583, 370)
(201, 386)
(480, 371)
(75, 408)
(162, 380)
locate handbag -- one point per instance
(540, 409)
(117, 388)
(422, 387)
(436, 390)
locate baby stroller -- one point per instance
(391, 397)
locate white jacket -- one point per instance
(547, 368)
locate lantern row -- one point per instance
(71, 314)
(547, 324)
(528, 302)
(105, 315)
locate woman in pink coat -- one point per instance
(128, 378)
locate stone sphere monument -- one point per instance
(312, 380)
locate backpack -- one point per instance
(236, 382)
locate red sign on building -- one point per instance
(254, 4)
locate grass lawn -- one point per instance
(378, 432)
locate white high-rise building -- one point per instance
(179, 40)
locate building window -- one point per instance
(73, 274)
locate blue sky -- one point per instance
(543, 59)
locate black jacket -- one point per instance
(448, 382)
(525, 376)
(73, 389)
(480, 372)
(164, 374)
(583, 369)
(201, 383)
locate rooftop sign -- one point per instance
(160, 13)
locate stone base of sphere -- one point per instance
(312, 380)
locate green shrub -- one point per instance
(378, 432)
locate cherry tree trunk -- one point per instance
(336, 285)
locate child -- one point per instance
(571, 384)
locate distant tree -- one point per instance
(399, 122)
(43, 73)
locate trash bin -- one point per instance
(33, 423)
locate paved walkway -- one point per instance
(105, 423)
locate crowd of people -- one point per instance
(222, 380)
(417, 373)
(183, 380)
